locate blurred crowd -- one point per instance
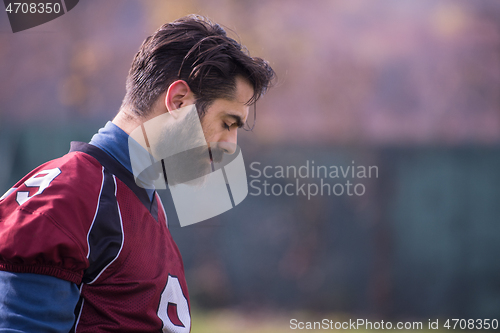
(351, 71)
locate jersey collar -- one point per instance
(120, 171)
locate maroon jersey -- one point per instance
(82, 218)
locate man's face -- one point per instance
(219, 125)
(190, 149)
(223, 118)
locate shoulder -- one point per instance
(46, 216)
(73, 178)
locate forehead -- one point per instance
(244, 90)
(236, 105)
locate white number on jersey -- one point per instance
(41, 180)
(174, 308)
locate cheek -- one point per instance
(211, 135)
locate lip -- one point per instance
(210, 154)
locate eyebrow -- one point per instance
(237, 119)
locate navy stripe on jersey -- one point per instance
(105, 237)
(77, 312)
(119, 171)
(154, 208)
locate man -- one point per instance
(83, 248)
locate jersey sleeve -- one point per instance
(45, 218)
(36, 303)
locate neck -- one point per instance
(126, 120)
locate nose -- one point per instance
(227, 142)
(227, 147)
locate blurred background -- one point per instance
(411, 86)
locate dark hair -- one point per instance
(199, 52)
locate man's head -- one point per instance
(192, 60)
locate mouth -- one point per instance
(210, 154)
(211, 159)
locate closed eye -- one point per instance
(235, 120)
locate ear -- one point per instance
(178, 95)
